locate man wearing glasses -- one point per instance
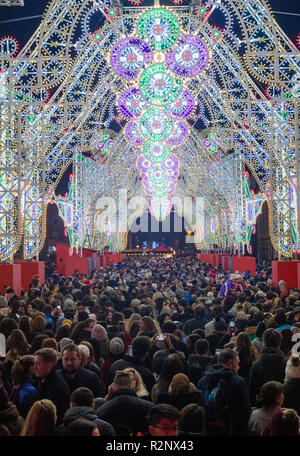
(163, 420)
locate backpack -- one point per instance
(216, 409)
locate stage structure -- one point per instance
(160, 102)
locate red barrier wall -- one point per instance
(289, 271)
(66, 264)
(225, 264)
(10, 274)
(243, 264)
(30, 269)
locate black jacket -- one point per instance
(88, 413)
(194, 323)
(56, 389)
(269, 366)
(180, 400)
(197, 365)
(237, 397)
(291, 392)
(87, 378)
(135, 363)
(126, 408)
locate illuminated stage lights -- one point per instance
(156, 151)
(189, 57)
(160, 28)
(156, 125)
(129, 56)
(131, 103)
(178, 134)
(158, 85)
(134, 134)
(183, 106)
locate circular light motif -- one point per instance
(156, 125)
(143, 164)
(131, 103)
(159, 86)
(189, 57)
(156, 151)
(172, 162)
(129, 56)
(160, 27)
(183, 106)
(178, 134)
(134, 134)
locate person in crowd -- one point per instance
(11, 422)
(269, 366)
(24, 391)
(138, 385)
(285, 423)
(192, 420)
(141, 346)
(247, 354)
(270, 399)
(124, 406)
(86, 362)
(180, 393)
(83, 427)
(225, 396)
(51, 384)
(75, 375)
(291, 385)
(41, 420)
(82, 405)
(164, 421)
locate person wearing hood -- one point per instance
(82, 406)
(232, 397)
(269, 366)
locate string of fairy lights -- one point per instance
(163, 101)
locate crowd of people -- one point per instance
(157, 346)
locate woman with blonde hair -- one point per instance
(41, 419)
(139, 387)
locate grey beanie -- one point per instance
(3, 301)
(68, 304)
(65, 341)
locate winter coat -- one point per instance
(236, 394)
(87, 378)
(180, 400)
(56, 389)
(126, 408)
(197, 365)
(88, 413)
(11, 422)
(269, 366)
(194, 323)
(291, 392)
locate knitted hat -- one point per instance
(3, 301)
(99, 333)
(68, 304)
(82, 315)
(292, 368)
(93, 317)
(116, 346)
(65, 341)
